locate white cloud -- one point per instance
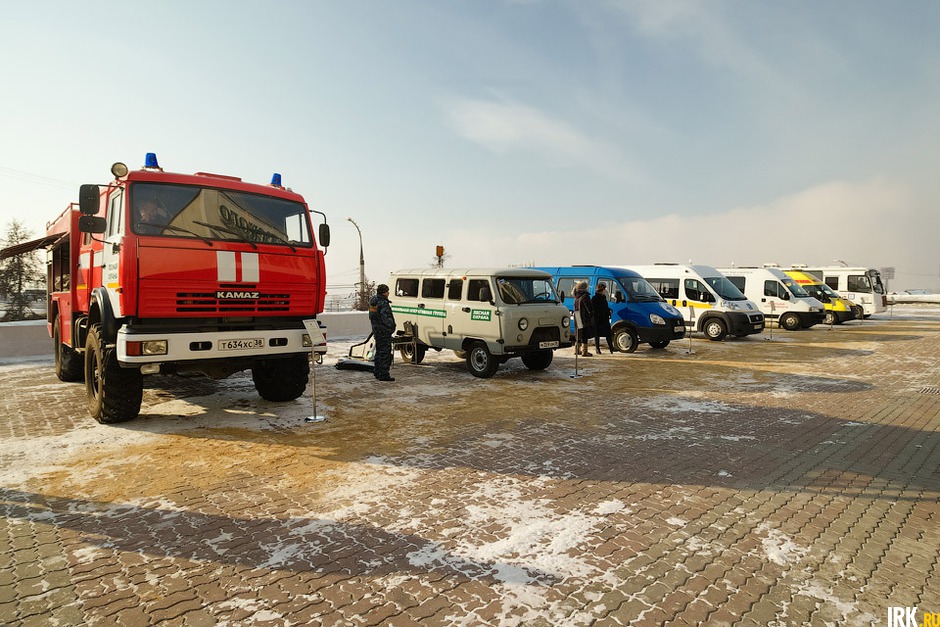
(506, 127)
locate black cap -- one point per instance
(381, 289)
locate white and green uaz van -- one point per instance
(484, 315)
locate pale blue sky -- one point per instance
(510, 132)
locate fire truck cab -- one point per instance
(158, 272)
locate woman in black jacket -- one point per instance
(582, 307)
(601, 318)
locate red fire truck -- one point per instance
(158, 272)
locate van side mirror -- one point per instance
(324, 235)
(561, 295)
(485, 294)
(89, 200)
(785, 295)
(92, 224)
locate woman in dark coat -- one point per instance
(601, 318)
(582, 307)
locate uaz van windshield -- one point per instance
(725, 288)
(522, 290)
(208, 213)
(639, 290)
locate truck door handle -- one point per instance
(466, 310)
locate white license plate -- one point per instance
(680, 328)
(240, 345)
(548, 344)
(758, 327)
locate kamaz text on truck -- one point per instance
(158, 272)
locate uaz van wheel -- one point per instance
(626, 340)
(537, 360)
(409, 355)
(480, 362)
(715, 329)
(790, 321)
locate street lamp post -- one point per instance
(362, 305)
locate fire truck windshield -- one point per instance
(217, 214)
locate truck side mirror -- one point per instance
(92, 224)
(324, 235)
(88, 200)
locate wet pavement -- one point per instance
(784, 481)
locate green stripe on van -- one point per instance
(420, 311)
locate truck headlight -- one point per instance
(147, 348)
(523, 324)
(655, 319)
(566, 322)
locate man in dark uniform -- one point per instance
(383, 325)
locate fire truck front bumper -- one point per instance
(135, 348)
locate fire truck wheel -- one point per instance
(68, 363)
(538, 360)
(114, 393)
(281, 380)
(480, 362)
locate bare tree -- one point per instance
(17, 273)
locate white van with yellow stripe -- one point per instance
(485, 315)
(709, 302)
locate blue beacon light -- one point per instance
(276, 180)
(151, 160)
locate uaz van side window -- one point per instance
(432, 288)
(454, 289)
(479, 290)
(406, 287)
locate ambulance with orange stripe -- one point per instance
(837, 309)
(709, 302)
(159, 272)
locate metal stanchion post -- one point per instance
(691, 326)
(770, 324)
(316, 339)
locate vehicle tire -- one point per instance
(408, 353)
(68, 363)
(281, 380)
(538, 360)
(660, 344)
(830, 318)
(625, 340)
(789, 321)
(480, 362)
(114, 393)
(715, 329)
(859, 312)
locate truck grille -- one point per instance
(208, 302)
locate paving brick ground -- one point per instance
(792, 481)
